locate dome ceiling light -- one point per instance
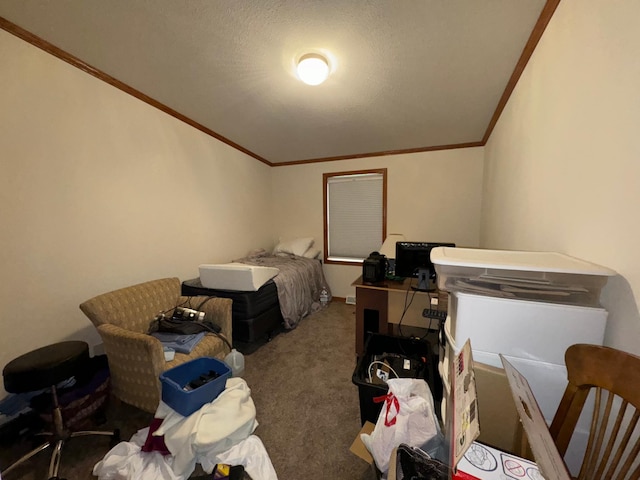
(313, 69)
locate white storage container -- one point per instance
(518, 328)
(529, 307)
(537, 276)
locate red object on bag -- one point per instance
(460, 475)
(389, 398)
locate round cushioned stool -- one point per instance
(45, 368)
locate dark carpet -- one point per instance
(307, 408)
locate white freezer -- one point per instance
(518, 328)
(547, 380)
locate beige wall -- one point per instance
(99, 191)
(563, 164)
(432, 196)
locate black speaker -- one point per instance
(374, 268)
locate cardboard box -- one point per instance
(548, 460)
(499, 420)
(487, 463)
(462, 424)
(542, 445)
(358, 448)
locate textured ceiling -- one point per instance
(406, 75)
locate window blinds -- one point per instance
(355, 215)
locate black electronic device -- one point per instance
(413, 259)
(413, 463)
(374, 268)
(201, 380)
(222, 471)
(434, 314)
(181, 313)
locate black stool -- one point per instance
(45, 368)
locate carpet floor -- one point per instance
(307, 408)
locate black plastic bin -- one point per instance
(411, 348)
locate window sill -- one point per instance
(355, 262)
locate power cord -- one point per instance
(406, 307)
(204, 325)
(201, 303)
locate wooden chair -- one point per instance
(614, 442)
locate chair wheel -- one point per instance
(115, 438)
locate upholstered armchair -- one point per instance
(136, 359)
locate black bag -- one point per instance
(414, 464)
(181, 326)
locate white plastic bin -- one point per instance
(537, 276)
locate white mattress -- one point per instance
(235, 276)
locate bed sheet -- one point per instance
(299, 283)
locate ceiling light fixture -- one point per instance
(313, 69)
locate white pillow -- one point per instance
(295, 247)
(311, 252)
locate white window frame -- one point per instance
(354, 176)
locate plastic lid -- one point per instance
(516, 260)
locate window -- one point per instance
(355, 214)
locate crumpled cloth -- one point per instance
(249, 453)
(211, 430)
(180, 343)
(153, 443)
(127, 462)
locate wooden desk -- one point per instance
(379, 307)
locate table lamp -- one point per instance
(388, 249)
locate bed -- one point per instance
(268, 291)
(255, 315)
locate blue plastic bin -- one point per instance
(187, 402)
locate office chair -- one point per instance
(45, 368)
(614, 441)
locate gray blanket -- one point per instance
(299, 283)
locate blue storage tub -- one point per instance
(175, 379)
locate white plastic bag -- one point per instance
(407, 416)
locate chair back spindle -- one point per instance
(613, 378)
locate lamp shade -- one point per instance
(388, 248)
